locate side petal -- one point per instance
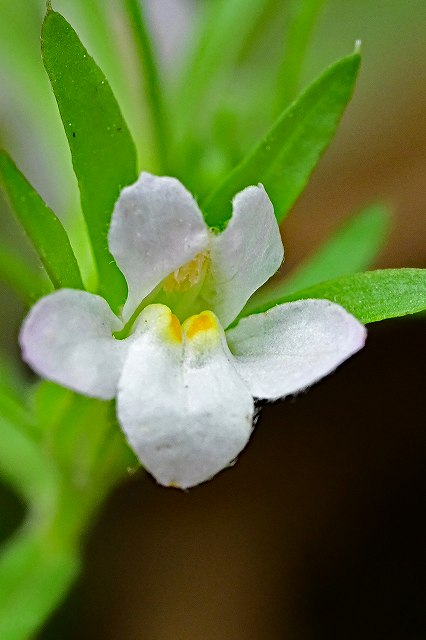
(156, 227)
(67, 337)
(244, 256)
(184, 410)
(291, 346)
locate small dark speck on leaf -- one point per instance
(73, 134)
(119, 128)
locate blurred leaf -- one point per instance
(25, 468)
(285, 158)
(63, 476)
(352, 249)
(11, 380)
(152, 86)
(27, 282)
(103, 152)
(35, 569)
(70, 423)
(369, 296)
(225, 26)
(303, 15)
(41, 225)
(35, 575)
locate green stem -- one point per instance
(154, 94)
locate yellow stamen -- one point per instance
(200, 323)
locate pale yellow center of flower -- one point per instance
(187, 276)
(202, 331)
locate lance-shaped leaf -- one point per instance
(370, 296)
(285, 158)
(41, 225)
(103, 152)
(351, 250)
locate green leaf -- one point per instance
(152, 88)
(26, 281)
(103, 152)
(25, 468)
(352, 249)
(42, 226)
(370, 296)
(285, 158)
(11, 379)
(226, 26)
(63, 475)
(303, 15)
(35, 575)
(36, 568)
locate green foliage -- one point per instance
(103, 152)
(304, 14)
(43, 228)
(35, 576)
(27, 282)
(352, 249)
(153, 90)
(285, 158)
(225, 27)
(369, 296)
(62, 458)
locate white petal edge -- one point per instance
(67, 338)
(293, 345)
(244, 256)
(183, 408)
(156, 227)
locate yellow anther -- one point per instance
(200, 323)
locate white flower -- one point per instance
(185, 392)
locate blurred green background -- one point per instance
(318, 532)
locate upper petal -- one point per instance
(244, 256)
(67, 337)
(291, 346)
(156, 227)
(184, 410)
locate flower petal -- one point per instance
(156, 227)
(291, 346)
(67, 337)
(244, 256)
(184, 410)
